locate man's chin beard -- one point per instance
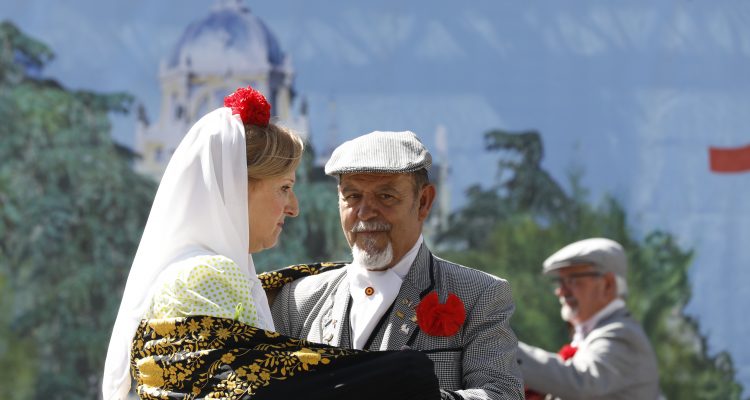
(373, 260)
(567, 313)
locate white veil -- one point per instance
(199, 208)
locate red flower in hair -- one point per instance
(251, 105)
(437, 319)
(567, 352)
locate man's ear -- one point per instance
(610, 284)
(426, 198)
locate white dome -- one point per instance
(229, 40)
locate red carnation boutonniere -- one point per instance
(437, 319)
(250, 105)
(567, 352)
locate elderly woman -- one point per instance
(194, 321)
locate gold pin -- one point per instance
(413, 318)
(369, 291)
(400, 314)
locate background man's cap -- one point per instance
(380, 152)
(604, 254)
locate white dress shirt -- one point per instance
(373, 292)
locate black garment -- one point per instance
(207, 357)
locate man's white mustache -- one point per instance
(371, 226)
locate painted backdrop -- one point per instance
(648, 103)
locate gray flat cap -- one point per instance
(380, 152)
(605, 254)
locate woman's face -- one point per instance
(269, 202)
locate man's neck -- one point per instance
(401, 268)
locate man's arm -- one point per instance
(602, 367)
(490, 369)
(285, 313)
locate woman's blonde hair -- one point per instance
(272, 151)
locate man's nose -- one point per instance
(367, 209)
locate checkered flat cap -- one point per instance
(380, 152)
(604, 254)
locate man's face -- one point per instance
(382, 210)
(583, 291)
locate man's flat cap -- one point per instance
(604, 254)
(380, 152)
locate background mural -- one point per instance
(549, 123)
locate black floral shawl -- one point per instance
(202, 357)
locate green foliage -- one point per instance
(530, 217)
(71, 215)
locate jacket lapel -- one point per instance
(402, 322)
(335, 326)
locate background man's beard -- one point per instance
(566, 312)
(373, 259)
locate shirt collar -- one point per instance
(368, 309)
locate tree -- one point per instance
(532, 217)
(71, 216)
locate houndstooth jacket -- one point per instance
(478, 362)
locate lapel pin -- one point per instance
(400, 314)
(404, 329)
(369, 291)
(413, 318)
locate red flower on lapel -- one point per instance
(437, 319)
(567, 352)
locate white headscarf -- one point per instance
(200, 208)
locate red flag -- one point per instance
(732, 159)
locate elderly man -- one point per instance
(610, 356)
(396, 294)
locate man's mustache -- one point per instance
(371, 226)
(571, 301)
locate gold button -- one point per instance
(369, 291)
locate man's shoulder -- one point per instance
(621, 326)
(454, 271)
(624, 337)
(472, 285)
(318, 282)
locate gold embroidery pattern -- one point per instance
(210, 357)
(277, 279)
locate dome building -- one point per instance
(228, 48)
